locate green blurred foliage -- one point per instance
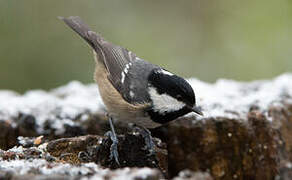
(208, 39)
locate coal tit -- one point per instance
(132, 89)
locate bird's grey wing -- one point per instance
(135, 84)
(118, 61)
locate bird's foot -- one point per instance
(149, 144)
(114, 147)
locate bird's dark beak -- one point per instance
(197, 110)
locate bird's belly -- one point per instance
(140, 121)
(127, 115)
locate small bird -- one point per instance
(132, 89)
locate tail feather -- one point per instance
(92, 38)
(114, 58)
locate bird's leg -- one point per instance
(114, 147)
(146, 134)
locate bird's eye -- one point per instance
(179, 97)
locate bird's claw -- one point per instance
(149, 144)
(114, 147)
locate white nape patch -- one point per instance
(164, 103)
(125, 71)
(165, 72)
(137, 58)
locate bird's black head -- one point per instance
(171, 95)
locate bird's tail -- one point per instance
(92, 38)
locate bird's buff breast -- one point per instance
(116, 106)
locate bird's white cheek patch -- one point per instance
(163, 103)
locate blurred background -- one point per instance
(207, 39)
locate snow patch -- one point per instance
(63, 105)
(91, 170)
(129, 174)
(59, 106)
(43, 167)
(233, 99)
